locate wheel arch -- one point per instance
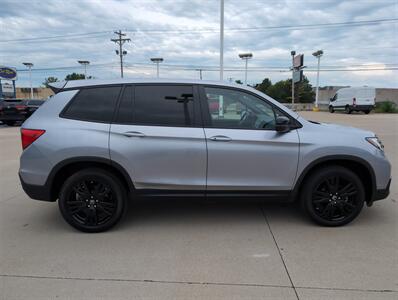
(69, 166)
(355, 164)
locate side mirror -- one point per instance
(282, 124)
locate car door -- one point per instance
(245, 152)
(157, 136)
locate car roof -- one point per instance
(75, 84)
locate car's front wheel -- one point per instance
(92, 200)
(331, 109)
(333, 196)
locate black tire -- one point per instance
(92, 200)
(331, 109)
(366, 111)
(333, 196)
(348, 109)
(9, 123)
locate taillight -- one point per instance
(28, 136)
(20, 107)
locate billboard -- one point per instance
(297, 76)
(7, 73)
(298, 61)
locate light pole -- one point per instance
(157, 61)
(293, 53)
(246, 57)
(318, 55)
(30, 65)
(221, 39)
(84, 63)
(200, 73)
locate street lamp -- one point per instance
(84, 63)
(318, 55)
(30, 65)
(246, 57)
(293, 53)
(157, 61)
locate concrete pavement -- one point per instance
(199, 250)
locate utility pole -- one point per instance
(221, 39)
(120, 41)
(293, 53)
(30, 65)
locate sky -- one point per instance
(359, 39)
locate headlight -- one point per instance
(375, 141)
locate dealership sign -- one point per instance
(7, 73)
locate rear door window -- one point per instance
(163, 105)
(93, 104)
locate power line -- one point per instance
(210, 30)
(65, 36)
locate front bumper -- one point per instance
(37, 192)
(382, 193)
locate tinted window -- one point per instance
(163, 105)
(125, 113)
(95, 104)
(235, 109)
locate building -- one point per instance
(38, 93)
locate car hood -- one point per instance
(341, 129)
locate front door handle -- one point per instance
(133, 134)
(220, 138)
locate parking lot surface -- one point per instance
(199, 249)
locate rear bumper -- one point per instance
(362, 107)
(37, 192)
(382, 193)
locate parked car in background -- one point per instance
(97, 144)
(353, 99)
(17, 110)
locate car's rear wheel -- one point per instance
(331, 109)
(348, 109)
(92, 200)
(333, 196)
(366, 111)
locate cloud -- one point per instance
(347, 47)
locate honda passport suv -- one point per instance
(97, 144)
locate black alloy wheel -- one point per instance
(92, 200)
(348, 109)
(333, 196)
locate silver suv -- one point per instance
(96, 144)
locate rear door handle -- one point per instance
(220, 138)
(133, 134)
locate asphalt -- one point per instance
(199, 249)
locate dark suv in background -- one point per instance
(15, 110)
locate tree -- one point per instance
(304, 91)
(49, 80)
(282, 90)
(264, 86)
(76, 76)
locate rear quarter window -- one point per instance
(93, 104)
